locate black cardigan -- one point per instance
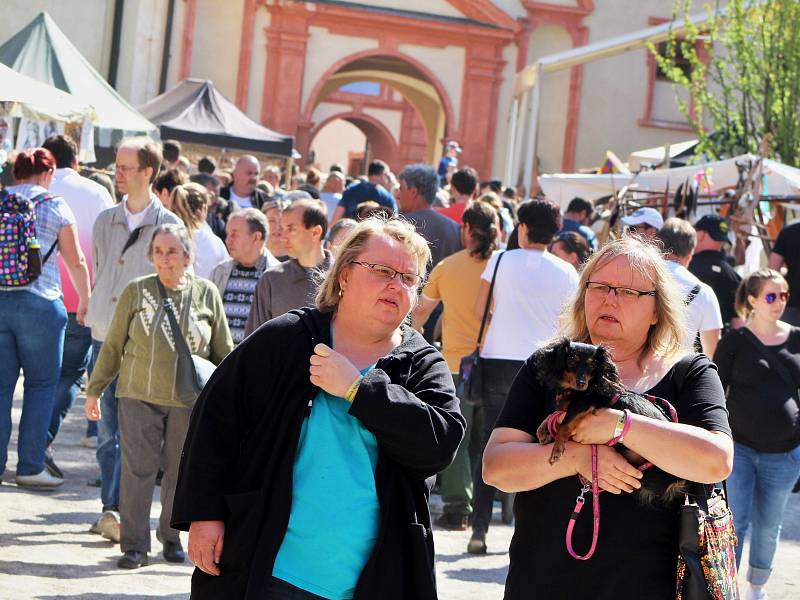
(240, 449)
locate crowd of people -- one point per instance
(336, 313)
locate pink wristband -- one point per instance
(625, 428)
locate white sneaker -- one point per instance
(108, 525)
(43, 481)
(756, 592)
(89, 442)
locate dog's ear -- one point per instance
(550, 366)
(606, 367)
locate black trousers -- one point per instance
(498, 375)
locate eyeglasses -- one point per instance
(409, 280)
(623, 294)
(772, 296)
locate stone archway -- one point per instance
(402, 73)
(381, 141)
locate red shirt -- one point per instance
(454, 211)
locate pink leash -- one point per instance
(593, 485)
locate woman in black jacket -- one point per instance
(759, 365)
(305, 466)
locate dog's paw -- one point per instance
(543, 434)
(557, 453)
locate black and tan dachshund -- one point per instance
(586, 379)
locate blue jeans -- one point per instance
(759, 489)
(108, 452)
(75, 360)
(31, 337)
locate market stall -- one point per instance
(31, 111)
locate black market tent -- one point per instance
(42, 51)
(196, 112)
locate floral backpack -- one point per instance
(20, 254)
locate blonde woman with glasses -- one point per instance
(309, 460)
(626, 300)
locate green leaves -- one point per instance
(744, 77)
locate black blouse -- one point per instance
(637, 549)
(765, 415)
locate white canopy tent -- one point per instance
(779, 180)
(23, 96)
(528, 83)
(42, 106)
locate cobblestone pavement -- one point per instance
(46, 551)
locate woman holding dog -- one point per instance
(759, 365)
(626, 301)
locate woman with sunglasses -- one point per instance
(759, 365)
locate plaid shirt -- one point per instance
(51, 216)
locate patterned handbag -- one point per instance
(707, 542)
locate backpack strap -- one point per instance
(692, 295)
(45, 197)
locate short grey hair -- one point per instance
(255, 219)
(678, 237)
(180, 232)
(423, 178)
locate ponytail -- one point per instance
(33, 161)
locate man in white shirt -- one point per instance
(87, 200)
(242, 191)
(530, 289)
(702, 307)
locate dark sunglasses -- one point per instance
(772, 296)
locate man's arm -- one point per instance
(261, 309)
(423, 311)
(709, 340)
(775, 261)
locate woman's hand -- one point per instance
(331, 371)
(597, 427)
(205, 545)
(614, 473)
(92, 408)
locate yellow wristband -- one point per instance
(620, 426)
(350, 394)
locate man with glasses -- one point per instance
(120, 238)
(292, 283)
(644, 222)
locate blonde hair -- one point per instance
(752, 286)
(665, 338)
(188, 201)
(397, 229)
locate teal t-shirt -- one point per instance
(335, 513)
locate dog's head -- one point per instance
(567, 365)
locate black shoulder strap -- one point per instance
(774, 361)
(489, 299)
(36, 200)
(692, 295)
(180, 343)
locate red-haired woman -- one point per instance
(32, 316)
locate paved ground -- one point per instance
(47, 553)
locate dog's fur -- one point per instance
(586, 379)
